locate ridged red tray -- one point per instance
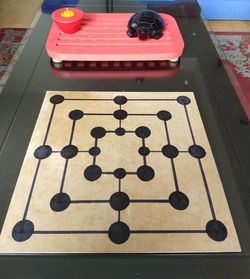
(103, 37)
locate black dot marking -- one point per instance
(120, 173)
(22, 230)
(197, 151)
(94, 151)
(142, 132)
(119, 232)
(76, 114)
(120, 131)
(143, 151)
(120, 100)
(170, 151)
(120, 114)
(92, 172)
(69, 151)
(56, 99)
(145, 173)
(216, 230)
(183, 100)
(119, 201)
(43, 151)
(178, 200)
(164, 115)
(60, 202)
(98, 132)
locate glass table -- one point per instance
(199, 70)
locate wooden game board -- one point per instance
(119, 172)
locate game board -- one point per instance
(119, 172)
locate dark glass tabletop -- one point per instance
(199, 70)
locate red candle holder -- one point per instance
(68, 19)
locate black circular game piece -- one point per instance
(119, 232)
(43, 151)
(22, 230)
(183, 100)
(170, 151)
(142, 132)
(145, 173)
(145, 24)
(120, 131)
(60, 202)
(76, 114)
(92, 172)
(216, 230)
(98, 132)
(69, 151)
(178, 200)
(56, 99)
(164, 115)
(94, 151)
(119, 201)
(120, 173)
(120, 114)
(197, 151)
(120, 100)
(143, 151)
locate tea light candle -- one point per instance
(67, 13)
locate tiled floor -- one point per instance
(18, 14)
(227, 25)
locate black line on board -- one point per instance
(119, 215)
(80, 99)
(167, 231)
(76, 99)
(174, 174)
(49, 124)
(95, 145)
(171, 159)
(149, 201)
(69, 232)
(144, 157)
(79, 151)
(207, 190)
(167, 133)
(72, 132)
(189, 124)
(201, 168)
(131, 201)
(151, 100)
(132, 231)
(142, 114)
(64, 175)
(31, 190)
(89, 201)
(96, 114)
(108, 172)
(119, 185)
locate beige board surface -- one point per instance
(178, 205)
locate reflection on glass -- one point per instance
(49, 6)
(118, 69)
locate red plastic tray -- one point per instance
(103, 37)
